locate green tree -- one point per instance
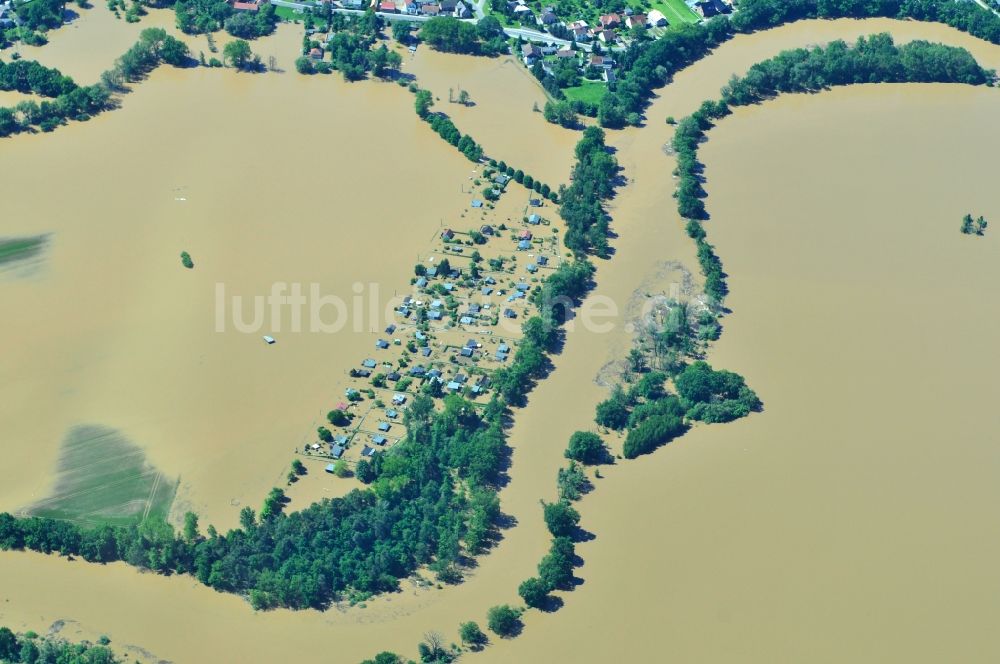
(191, 534)
(504, 620)
(385, 657)
(471, 635)
(338, 418)
(423, 103)
(534, 592)
(237, 53)
(401, 31)
(298, 467)
(560, 518)
(612, 413)
(586, 447)
(967, 224)
(324, 434)
(248, 520)
(365, 472)
(556, 567)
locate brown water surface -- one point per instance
(849, 522)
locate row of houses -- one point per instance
(454, 8)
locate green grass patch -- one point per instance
(21, 248)
(588, 91)
(103, 478)
(676, 11)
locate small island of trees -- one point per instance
(973, 227)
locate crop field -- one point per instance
(104, 479)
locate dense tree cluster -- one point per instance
(646, 66)
(154, 46)
(561, 113)
(68, 100)
(40, 14)
(431, 502)
(202, 16)
(593, 181)
(653, 417)
(711, 395)
(455, 36)
(875, 59)
(964, 16)
(32, 648)
(28, 76)
(587, 447)
(350, 47)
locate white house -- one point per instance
(656, 18)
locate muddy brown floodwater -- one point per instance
(849, 522)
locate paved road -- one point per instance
(983, 4)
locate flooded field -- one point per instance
(503, 93)
(849, 521)
(250, 174)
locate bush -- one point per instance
(471, 635)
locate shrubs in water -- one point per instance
(969, 226)
(572, 482)
(186, 260)
(471, 635)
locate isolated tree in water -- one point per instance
(237, 53)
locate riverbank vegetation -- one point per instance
(73, 102)
(69, 101)
(592, 181)
(650, 65)
(874, 59)
(454, 36)
(30, 648)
